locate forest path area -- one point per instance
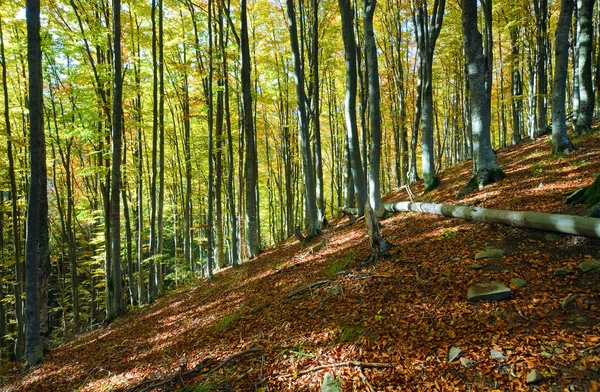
(387, 327)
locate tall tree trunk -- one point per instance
(516, 90)
(209, 93)
(37, 185)
(251, 170)
(541, 16)
(221, 261)
(115, 295)
(374, 109)
(584, 66)
(560, 140)
(152, 287)
(161, 156)
(485, 166)
(307, 162)
(230, 161)
(426, 33)
(413, 176)
(358, 175)
(316, 112)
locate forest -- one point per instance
(153, 149)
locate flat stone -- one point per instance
(589, 265)
(533, 377)
(559, 351)
(562, 272)
(550, 237)
(466, 362)
(475, 267)
(330, 384)
(494, 291)
(580, 320)
(489, 254)
(455, 259)
(568, 300)
(497, 355)
(454, 353)
(546, 354)
(518, 282)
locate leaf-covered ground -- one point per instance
(402, 314)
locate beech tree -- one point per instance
(37, 207)
(584, 66)
(426, 34)
(485, 166)
(560, 140)
(305, 150)
(353, 149)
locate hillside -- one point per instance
(402, 314)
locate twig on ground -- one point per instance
(594, 347)
(305, 288)
(231, 358)
(339, 364)
(196, 369)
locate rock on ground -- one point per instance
(494, 291)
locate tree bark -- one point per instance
(114, 301)
(485, 166)
(251, 171)
(584, 66)
(374, 108)
(566, 224)
(541, 16)
(560, 140)
(358, 175)
(305, 150)
(37, 156)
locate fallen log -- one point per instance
(566, 224)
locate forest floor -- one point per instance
(398, 318)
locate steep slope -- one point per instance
(400, 316)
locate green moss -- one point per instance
(351, 332)
(227, 321)
(337, 266)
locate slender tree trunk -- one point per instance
(560, 140)
(35, 210)
(307, 162)
(541, 10)
(115, 295)
(161, 156)
(426, 33)
(516, 87)
(209, 93)
(230, 161)
(221, 261)
(251, 172)
(584, 66)
(152, 288)
(374, 109)
(316, 112)
(358, 175)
